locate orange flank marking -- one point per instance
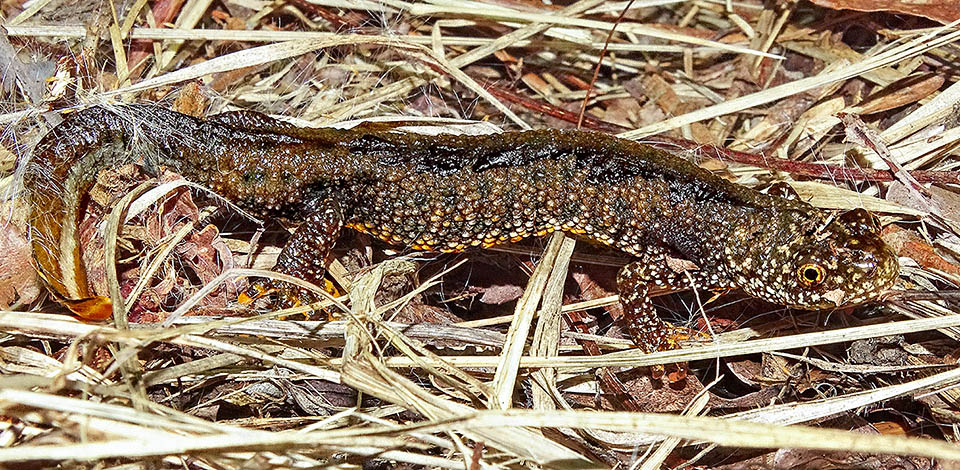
(246, 299)
(332, 288)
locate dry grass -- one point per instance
(518, 387)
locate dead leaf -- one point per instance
(748, 371)
(883, 351)
(659, 91)
(937, 10)
(909, 244)
(501, 294)
(804, 459)
(905, 91)
(199, 258)
(18, 278)
(191, 100)
(947, 203)
(416, 312)
(622, 111)
(207, 255)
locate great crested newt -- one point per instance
(449, 193)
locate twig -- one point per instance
(596, 70)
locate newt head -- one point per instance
(817, 262)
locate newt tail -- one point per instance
(62, 171)
(450, 193)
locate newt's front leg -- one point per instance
(657, 268)
(305, 254)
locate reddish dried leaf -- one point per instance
(164, 11)
(500, 294)
(207, 255)
(747, 371)
(203, 251)
(18, 278)
(902, 92)
(224, 80)
(909, 244)
(149, 306)
(417, 312)
(589, 289)
(938, 10)
(654, 395)
(621, 111)
(191, 100)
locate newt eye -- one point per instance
(811, 274)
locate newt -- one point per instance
(449, 193)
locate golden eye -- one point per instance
(811, 274)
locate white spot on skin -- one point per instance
(835, 296)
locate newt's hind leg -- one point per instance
(304, 256)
